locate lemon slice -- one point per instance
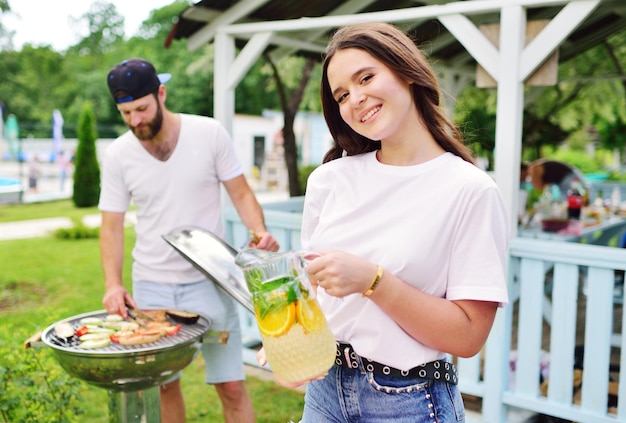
(277, 321)
(310, 316)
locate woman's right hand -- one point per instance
(340, 273)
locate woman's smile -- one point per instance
(371, 113)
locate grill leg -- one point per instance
(135, 406)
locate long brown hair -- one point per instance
(397, 51)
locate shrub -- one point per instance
(34, 389)
(78, 231)
(86, 169)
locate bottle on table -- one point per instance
(616, 200)
(574, 200)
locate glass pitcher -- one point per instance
(297, 340)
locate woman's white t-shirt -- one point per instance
(440, 226)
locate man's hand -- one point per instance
(115, 300)
(264, 241)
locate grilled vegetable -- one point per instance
(82, 331)
(95, 343)
(173, 330)
(183, 316)
(90, 321)
(99, 329)
(92, 336)
(64, 330)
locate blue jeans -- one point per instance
(353, 395)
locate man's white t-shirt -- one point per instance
(440, 226)
(182, 191)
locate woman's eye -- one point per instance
(342, 97)
(366, 78)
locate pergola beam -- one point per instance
(474, 41)
(413, 14)
(549, 39)
(238, 11)
(253, 49)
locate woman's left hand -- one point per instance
(341, 273)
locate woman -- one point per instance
(412, 237)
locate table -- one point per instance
(608, 233)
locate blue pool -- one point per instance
(7, 182)
(10, 190)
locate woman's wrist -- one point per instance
(375, 282)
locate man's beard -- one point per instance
(150, 129)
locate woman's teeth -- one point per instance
(370, 114)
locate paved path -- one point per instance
(32, 228)
(44, 227)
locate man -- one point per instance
(171, 166)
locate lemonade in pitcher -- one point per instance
(297, 340)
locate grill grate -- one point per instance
(186, 333)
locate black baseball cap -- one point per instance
(136, 78)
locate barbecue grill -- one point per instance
(131, 373)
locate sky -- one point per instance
(46, 22)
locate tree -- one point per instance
(106, 30)
(86, 168)
(6, 36)
(590, 90)
(290, 108)
(612, 132)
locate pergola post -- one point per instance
(510, 108)
(507, 154)
(224, 93)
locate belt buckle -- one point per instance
(346, 355)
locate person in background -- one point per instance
(34, 173)
(172, 167)
(545, 172)
(64, 163)
(412, 237)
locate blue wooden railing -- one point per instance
(549, 282)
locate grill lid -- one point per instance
(215, 258)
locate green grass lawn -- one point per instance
(46, 279)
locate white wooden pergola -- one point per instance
(510, 64)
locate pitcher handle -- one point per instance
(307, 256)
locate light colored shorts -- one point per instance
(223, 362)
